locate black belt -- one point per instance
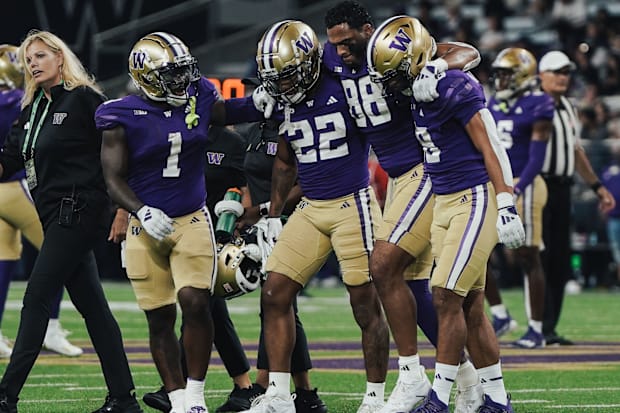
(556, 179)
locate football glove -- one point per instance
(228, 205)
(509, 226)
(425, 84)
(263, 101)
(155, 222)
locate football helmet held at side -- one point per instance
(162, 67)
(11, 73)
(238, 272)
(514, 71)
(289, 60)
(397, 51)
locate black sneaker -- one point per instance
(6, 406)
(308, 401)
(554, 339)
(158, 400)
(127, 404)
(241, 399)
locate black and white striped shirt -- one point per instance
(560, 157)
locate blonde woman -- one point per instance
(59, 146)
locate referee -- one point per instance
(564, 155)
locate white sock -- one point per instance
(177, 400)
(445, 374)
(53, 324)
(493, 383)
(499, 311)
(536, 326)
(195, 393)
(409, 369)
(375, 391)
(466, 375)
(279, 384)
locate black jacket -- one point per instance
(66, 151)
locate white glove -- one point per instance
(263, 101)
(228, 205)
(425, 84)
(509, 226)
(155, 222)
(253, 252)
(262, 242)
(274, 227)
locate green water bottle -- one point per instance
(226, 222)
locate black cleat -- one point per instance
(158, 400)
(241, 399)
(127, 404)
(308, 401)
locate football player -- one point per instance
(153, 157)
(403, 238)
(320, 146)
(523, 115)
(472, 183)
(17, 212)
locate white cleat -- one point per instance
(469, 399)
(5, 347)
(272, 404)
(405, 397)
(56, 341)
(371, 406)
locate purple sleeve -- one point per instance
(241, 110)
(537, 152)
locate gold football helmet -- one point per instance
(236, 273)
(162, 67)
(514, 70)
(289, 60)
(397, 51)
(11, 73)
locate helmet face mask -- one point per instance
(397, 52)
(513, 71)
(11, 73)
(289, 61)
(162, 67)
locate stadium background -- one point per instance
(222, 34)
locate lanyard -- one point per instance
(33, 114)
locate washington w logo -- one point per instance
(305, 42)
(12, 57)
(137, 59)
(401, 41)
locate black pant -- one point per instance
(66, 258)
(556, 256)
(300, 358)
(225, 339)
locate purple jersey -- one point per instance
(10, 108)
(332, 157)
(166, 159)
(611, 179)
(515, 124)
(450, 157)
(384, 121)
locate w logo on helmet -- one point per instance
(305, 42)
(137, 59)
(401, 41)
(12, 57)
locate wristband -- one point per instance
(504, 200)
(595, 186)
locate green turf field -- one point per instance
(580, 378)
